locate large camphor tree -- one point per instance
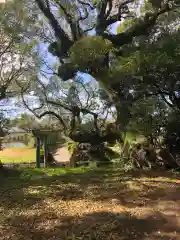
(82, 36)
(84, 41)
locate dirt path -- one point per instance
(97, 205)
(62, 155)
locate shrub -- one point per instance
(42, 152)
(72, 146)
(89, 52)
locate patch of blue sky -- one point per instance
(46, 72)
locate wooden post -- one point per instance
(45, 151)
(38, 152)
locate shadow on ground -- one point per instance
(96, 204)
(96, 225)
(130, 189)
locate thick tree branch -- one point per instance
(141, 28)
(102, 8)
(58, 104)
(55, 115)
(95, 115)
(101, 18)
(81, 17)
(70, 20)
(75, 113)
(71, 109)
(122, 9)
(82, 2)
(52, 113)
(66, 43)
(110, 5)
(3, 90)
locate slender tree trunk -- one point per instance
(123, 117)
(38, 152)
(45, 152)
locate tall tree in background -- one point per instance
(97, 54)
(73, 104)
(16, 56)
(83, 42)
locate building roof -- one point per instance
(16, 130)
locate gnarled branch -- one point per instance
(52, 113)
(122, 9)
(91, 6)
(70, 20)
(58, 31)
(138, 29)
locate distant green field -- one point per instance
(18, 155)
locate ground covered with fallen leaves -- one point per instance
(89, 204)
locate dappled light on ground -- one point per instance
(102, 204)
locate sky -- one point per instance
(50, 59)
(11, 109)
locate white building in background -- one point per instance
(15, 134)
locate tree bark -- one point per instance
(38, 152)
(45, 152)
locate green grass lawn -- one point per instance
(89, 204)
(18, 155)
(33, 173)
